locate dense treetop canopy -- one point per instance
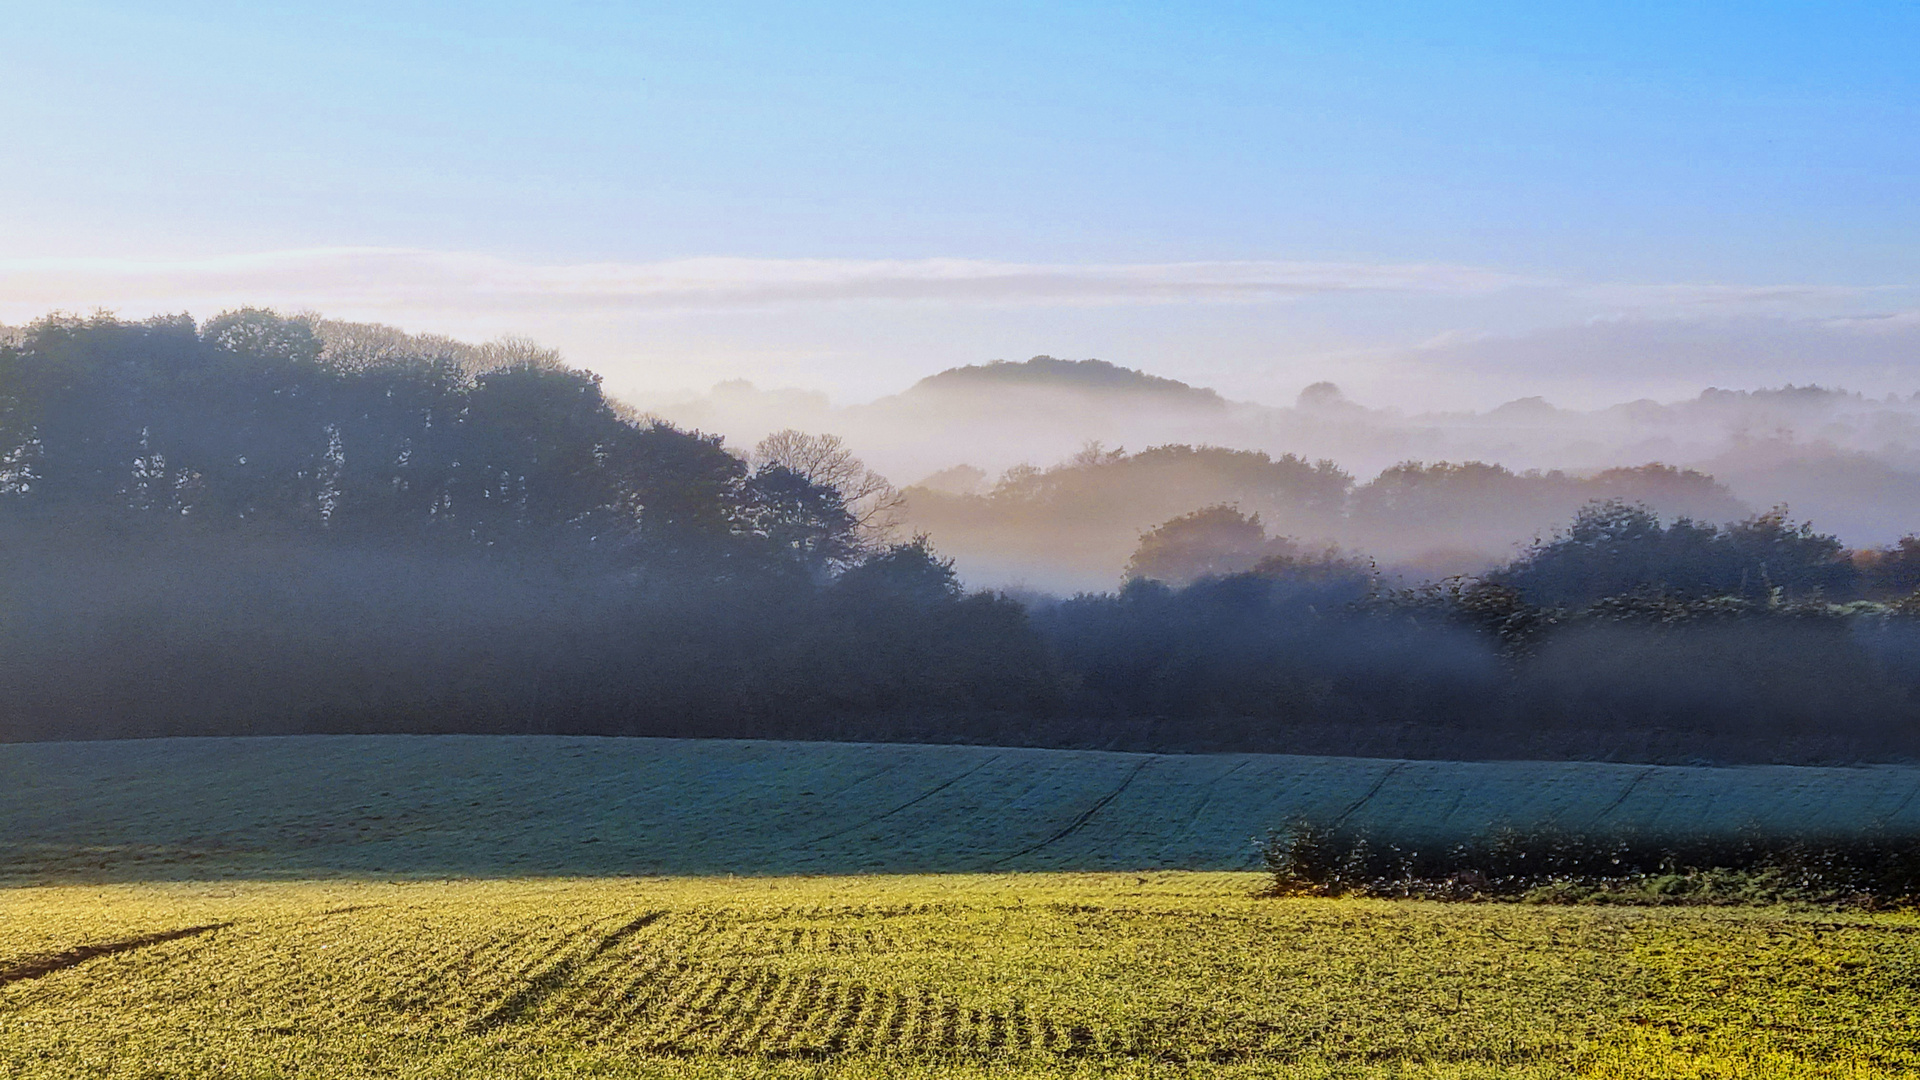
(1616, 549)
(261, 419)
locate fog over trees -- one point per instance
(1075, 525)
(269, 524)
(1850, 462)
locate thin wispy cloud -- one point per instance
(1682, 296)
(360, 278)
(1605, 360)
(401, 280)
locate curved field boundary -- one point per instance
(506, 805)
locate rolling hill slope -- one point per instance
(440, 806)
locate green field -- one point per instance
(451, 907)
(453, 806)
(1164, 974)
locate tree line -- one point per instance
(264, 525)
(1086, 513)
(1611, 548)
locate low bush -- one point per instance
(1551, 865)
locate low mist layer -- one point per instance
(257, 526)
(1850, 462)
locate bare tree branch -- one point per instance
(877, 506)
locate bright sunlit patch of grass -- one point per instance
(1168, 974)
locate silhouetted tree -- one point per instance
(1892, 572)
(874, 504)
(1613, 548)
(272, 524)
(1211, 542)
(801, 521)
(912, 572)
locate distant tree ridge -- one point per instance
(1092, 509)
(267, 524)
(1436, 518)
(252, 419)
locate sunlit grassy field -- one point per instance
(452, 907)
(1014, 975)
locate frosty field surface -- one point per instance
(494, 806)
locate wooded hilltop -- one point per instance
(269, 524)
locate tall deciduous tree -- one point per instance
(874, 504)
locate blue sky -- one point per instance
(1586, 165)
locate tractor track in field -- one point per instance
(555, 976)
(1379, 783)
(708, 991)
(1075, 825)
(916, 800)
(1625, 793)
(761, 1012)
(38, 966)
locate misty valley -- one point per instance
(271, 524)
(875, 541)
(379, 704)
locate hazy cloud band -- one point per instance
(411, 279)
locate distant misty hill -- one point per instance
(1043, 373)
(991, 416)
(1848, 462)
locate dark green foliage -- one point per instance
(1493, 611)
(1616, 549)
(220, 634)
(1552, 865)
(245, 422)
(912, 574)
(801, 521)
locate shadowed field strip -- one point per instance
(183, 809)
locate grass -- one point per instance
(1010, 976)
(451, 907)
(492, 806)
